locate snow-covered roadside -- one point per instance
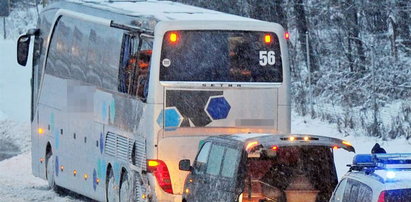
(362, 144)
(17, 183)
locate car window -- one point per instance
(215, 159)
(339, 192)
(365, 193)
(356, 191)
(201, 161)
(229, 162)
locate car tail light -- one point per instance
(381, 198)
(160, 171)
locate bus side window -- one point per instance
(127, 63)
(134, 66)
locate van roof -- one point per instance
(161, 10)
(268, 140)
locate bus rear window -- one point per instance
(221, 56)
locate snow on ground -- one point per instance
(362, 144)
(17, 183)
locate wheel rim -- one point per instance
(125, 190)
(112, 191)
(50, 171)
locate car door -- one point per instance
(216, 178)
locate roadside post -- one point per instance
(4, 12)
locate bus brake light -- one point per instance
(160, 171)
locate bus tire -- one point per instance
(112, 191)
(125, 188)
(50, 171)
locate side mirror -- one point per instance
(23, 45)
(184, 165)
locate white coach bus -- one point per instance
(121, 91)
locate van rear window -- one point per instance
(398, 195)
(272, 174)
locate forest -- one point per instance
(350, 60)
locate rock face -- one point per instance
(8, 149)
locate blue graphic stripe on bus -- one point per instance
(191, 105)
(112, 111)
(101, 169)
(52, 121)
(218, 108)
(104, 112)
(94, 179)
(57, 165)
(56, 138)
(172, 117)
(101, 143)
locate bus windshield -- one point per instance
(221, 56)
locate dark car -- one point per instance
(263, 167)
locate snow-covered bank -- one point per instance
(362, 144)
(14, 84)
(14, 101)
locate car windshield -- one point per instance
(285, 172)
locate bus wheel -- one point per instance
(50, 171)
(125, 188)
(112, 189)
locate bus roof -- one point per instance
(160, 10)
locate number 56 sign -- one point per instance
(267, 57)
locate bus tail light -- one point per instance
(287, 36)
(160, 171)
(267, 38)
(173, 37)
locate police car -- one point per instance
(376, 177)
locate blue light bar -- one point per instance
(383, 161)
(363, 159)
